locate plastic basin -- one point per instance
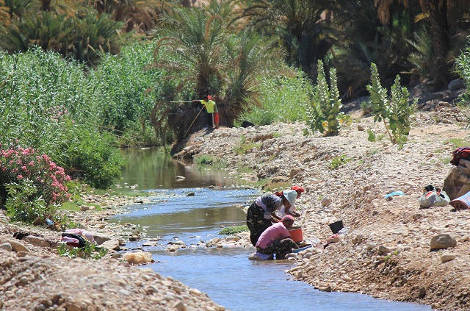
(296, 234)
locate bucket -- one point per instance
(336, 226)
(296, 234)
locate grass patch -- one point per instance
(88, 251)
(233, 230)
(458, 142)
(205, 160)
(338, 161)
(70, 206)
(245, 146)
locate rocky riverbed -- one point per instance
(386, 250)
(34, 277)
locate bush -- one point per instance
(233, 230)
(462, 66)
(324, 112)
(283, 98)
(31, 184)
(42, 93)
(395, 111)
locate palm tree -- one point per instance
(212, 57)
(440, 15)
(302, 25)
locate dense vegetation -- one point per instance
(80, 78)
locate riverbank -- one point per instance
(386, 252)
(35, 277)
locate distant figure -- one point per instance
(211, 108)
(276, 240)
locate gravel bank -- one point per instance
(386, 252)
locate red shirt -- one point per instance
(275, 232)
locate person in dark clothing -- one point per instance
(261, 213)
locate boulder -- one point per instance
(457, 183)
(442, 241)
(100, 239)
(456, 84)
(111, 245)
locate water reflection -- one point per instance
(152, 169)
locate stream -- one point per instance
(193, 209)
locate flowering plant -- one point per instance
(18, 164)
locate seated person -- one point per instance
(275, 240)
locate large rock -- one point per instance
(442, 241)
(457, 183)
(456, 84)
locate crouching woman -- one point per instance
(275, 240)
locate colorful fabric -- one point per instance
(460, 153)
(434, 198)
(209, 104)
(275, 232)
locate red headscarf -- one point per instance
(209, 97)
(298, 189)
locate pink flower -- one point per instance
(24, 168)
(67, 178)
(31, 163)
(20, 177)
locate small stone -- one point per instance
(6, 246)
(191, 194)
(442, 241)
(18, 247)
(180, 306)
(360, 128)
(448, 257)
(382, 250)
(325, 202)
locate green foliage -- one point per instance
(458, 142)
(324, 112)
(338, 161)
(245, 146)
(395, 111)
(205, 160)
(283, 98)
(90, 250)
(82, 36)
(371, 135)
(25, 203)
(233, 230)
(42, 93)
(462, 66)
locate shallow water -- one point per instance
(226, 275)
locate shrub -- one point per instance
(395, 111)
(283, 98)
(338, 161)
(462, 66)
(324, 112)
(88, 251)
(233, 230)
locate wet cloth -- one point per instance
(87, 235)
(275, 232)
(434, 198)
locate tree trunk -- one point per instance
(440, 40)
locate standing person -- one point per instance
(276, 240)
(211, 108)
(261, 212)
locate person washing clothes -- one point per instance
(291, 210)
(211, 109)
(262, 212)
(276, 240)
